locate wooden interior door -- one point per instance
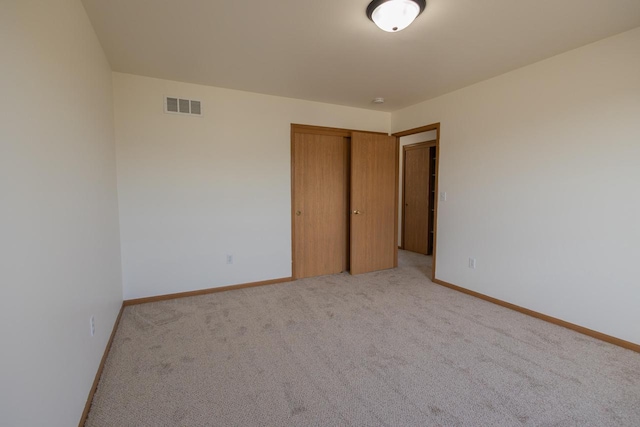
(320, 204)
(416, 198)
(374, 198)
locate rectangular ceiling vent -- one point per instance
(175, 105)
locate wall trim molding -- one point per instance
(165, 297)
(96, 380)
(581, 329)
(433, 126)
(323, 130)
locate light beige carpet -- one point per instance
(386, 348)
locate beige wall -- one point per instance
(59, 244)
(193, 190)
(542, 170)
(540, 166)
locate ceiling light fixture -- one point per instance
(395, 15)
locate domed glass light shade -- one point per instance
(394, 15)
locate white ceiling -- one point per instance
(329, 51)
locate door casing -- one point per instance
(413, 131)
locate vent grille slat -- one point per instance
(195, 107)
(182, 106)
(172, 105)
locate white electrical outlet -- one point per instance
(472, 263)
(92, 325)
(443, 196)
(229, 258)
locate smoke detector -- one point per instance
(378, 100)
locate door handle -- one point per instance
(357, 212)
(298, 213)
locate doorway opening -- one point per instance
(418, 197)
(418, 179)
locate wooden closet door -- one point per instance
(320, 173)
(374, 197)
(416, 199)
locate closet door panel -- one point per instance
(320, 205)
(374, 195)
